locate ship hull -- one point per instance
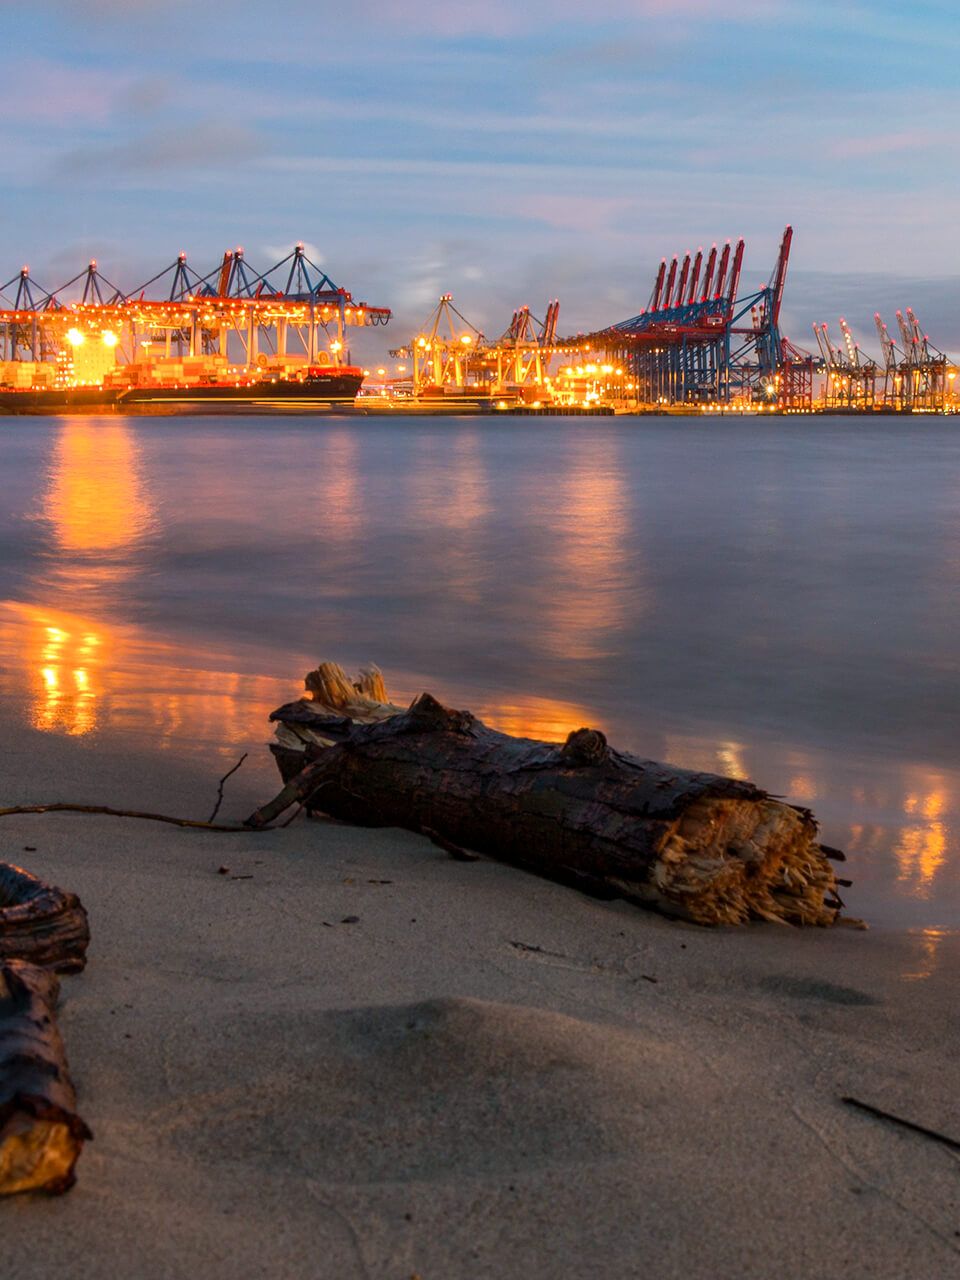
(315, 394)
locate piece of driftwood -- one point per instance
(41, 1134)
(41, 924)
(711, 849)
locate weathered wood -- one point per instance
(41, 1134)
(41, 924)
(714, 850)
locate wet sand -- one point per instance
(482, 1075)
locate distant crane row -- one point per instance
(915, 376)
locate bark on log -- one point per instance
(711, 849)
(41, 924)
(41, 1134)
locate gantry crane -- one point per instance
(87, 329)
(443, 350)
(925, 371)
(524, 349)
(893, 383)
(851, 375)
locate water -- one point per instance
(775, 599)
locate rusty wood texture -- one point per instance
(713, 850)
(41, 1134)
(41, 924)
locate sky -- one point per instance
(505, 151)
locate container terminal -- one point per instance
(234, 338)
(274, 340)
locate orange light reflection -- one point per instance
(594, 581)
(927, 960)
(534, 717)
(97, 504)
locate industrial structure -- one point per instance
(239, 334)
(914, 377)
(699, 344)
(178, 327)
(450, 356)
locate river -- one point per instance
(777, 599)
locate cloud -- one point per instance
(209, 145)
(494, 17)
(890, 143)
(825, 296)
(62, 94)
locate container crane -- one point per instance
(442, 351)
(893, 381)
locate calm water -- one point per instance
(779, 600)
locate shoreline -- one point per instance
(483, 1074)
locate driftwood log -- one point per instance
(40, 923)
(41, 1134)
(43, 931)
(713, 850)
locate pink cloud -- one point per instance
(880, 144)
(506, 17)
(63, 94)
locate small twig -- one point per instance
(455, 851)
(216, 807)
(118, 813)
(907, 1124)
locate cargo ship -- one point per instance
(315, 388)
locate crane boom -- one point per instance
(849, 342)
(223, 280)
(909, 343)
(735, 275)
(657, 295)
(682, 282)
(695, 277)
(722, 270)
(779, 277)
(671, 278)
(708, 278)
(886, 344)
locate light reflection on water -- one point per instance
(778, 606)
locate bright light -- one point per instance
(75, 338)
(466, 339)
(109, 339)
(336, 346)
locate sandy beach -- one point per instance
(352, 1056)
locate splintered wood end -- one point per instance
(37, 1155)
(726, 861)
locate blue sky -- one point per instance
(506, 152)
